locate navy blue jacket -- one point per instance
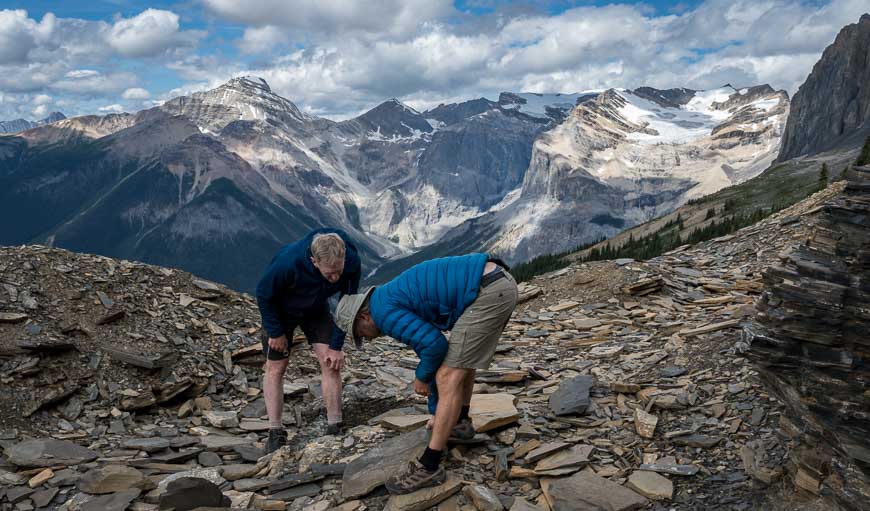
(292, 287)
(424, 300)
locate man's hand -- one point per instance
(421, 388)
(278, 344)
(335, 359)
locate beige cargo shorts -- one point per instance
(475, 335)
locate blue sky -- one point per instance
(337, 58)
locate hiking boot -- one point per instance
(334, 428)
(277, 439)
(415, 478)
(462, 431)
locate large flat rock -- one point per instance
(48, 452)
(589, 492)
(651, 485)
(491, 411)
(426, 498)
(111, 479)
(373, 468)
(576, 457)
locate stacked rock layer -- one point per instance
(811, 340)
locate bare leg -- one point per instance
(273, 390)
(450, 396)
(468, 387)
(330, 384)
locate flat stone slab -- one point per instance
(483, 498)
(48, 452)
(572, 396)
(218, 442)
(254, 425)
(586, 324)
(404, 423)
(146, 444)
(373, 468)
(651, 485)
(221, 419)
(584, 492)
(575, 457)
(702, 441)
(426, 498)
(671, 468)
(235, 472)
(491, 411)
(545, 450)
(111, 479)
(113, 502)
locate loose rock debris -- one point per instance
(665, 410)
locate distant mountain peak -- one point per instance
(17, 125)
(249, 81)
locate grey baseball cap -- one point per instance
(348, 308)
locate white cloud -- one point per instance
(94, 84)
(116, 108)
(745, 42)
(20, 35)
(383, 17)
(136, 93)
(81, 73)
(262, 39)
(149, 33)
(41, 99)
(40, 111)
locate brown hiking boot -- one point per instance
(462, 431)
(415, 478)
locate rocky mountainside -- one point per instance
(238, 170)
(832, 108)
(16, 125)
(621, 159)
(617, 385)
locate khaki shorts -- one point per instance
(475, 336)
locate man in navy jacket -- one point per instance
(469, 295)
(293, 292)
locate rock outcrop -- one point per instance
(812, 345)
(833, 106)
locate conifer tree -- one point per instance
(823, 176)
(864, 157)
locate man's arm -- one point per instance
(426, 340)
(277, 279)
(351, 277)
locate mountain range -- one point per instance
(214, 182)
(16, 125)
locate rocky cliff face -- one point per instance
(832, 107)
(810, 341)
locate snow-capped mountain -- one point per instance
(544, 106)
(16, 125)
(225, 176)
(630, 156)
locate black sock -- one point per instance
(463, 415)
(431, 459)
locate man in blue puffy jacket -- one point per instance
(293, 292)
(469, 295)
